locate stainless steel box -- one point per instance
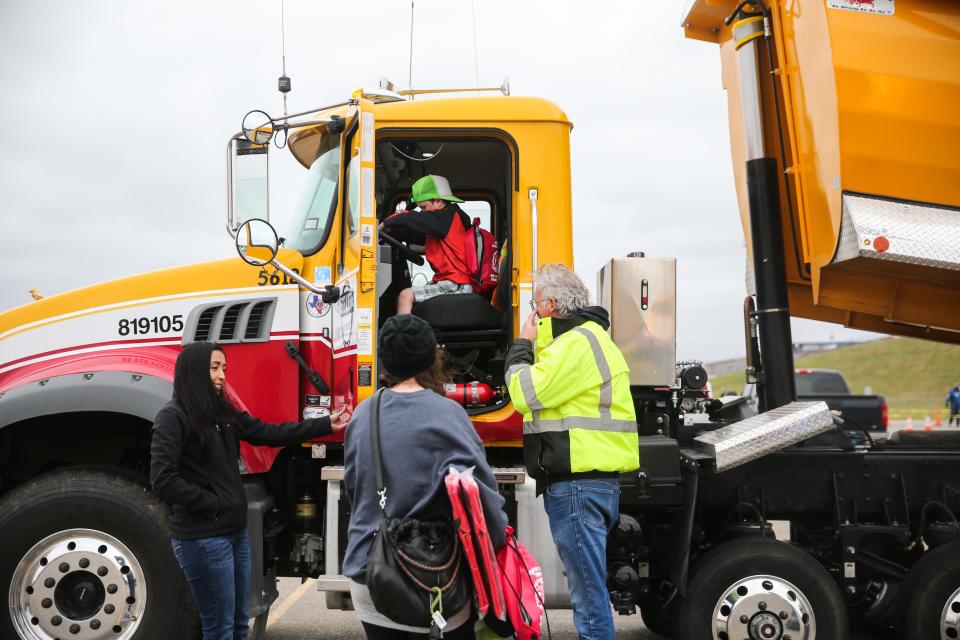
(765, 433)
(641, 295)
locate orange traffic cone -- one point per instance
(909, 426)
(939, 421)
(927, 424)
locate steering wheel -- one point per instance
(405, 252)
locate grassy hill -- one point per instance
(913, 375)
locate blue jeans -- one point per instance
(582, 513)
(218, 570)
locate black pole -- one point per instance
(775, 385)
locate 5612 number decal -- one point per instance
(144, 325)
(274, 278)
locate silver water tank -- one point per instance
(641, 295)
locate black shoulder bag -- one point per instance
(412, 561)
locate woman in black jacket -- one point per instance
(193, 467)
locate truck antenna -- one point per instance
(283, 82)
(410, 72)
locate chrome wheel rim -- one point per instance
(950, 618)
(78, 583)
(763, 608)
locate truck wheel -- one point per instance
(89, 558)
(761, 590)
(932, 590)
(662, 621)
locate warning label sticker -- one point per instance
(365, 341)
(878, 7)
(365, 375)
(314, 412)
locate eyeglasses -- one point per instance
(535, 302)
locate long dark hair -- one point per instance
(433, 378)
(194, 392)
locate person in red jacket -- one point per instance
(439, 226)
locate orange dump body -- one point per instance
(863, 114)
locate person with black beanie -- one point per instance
(193, 467)
(422, 434)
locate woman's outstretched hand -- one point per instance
(340, 420)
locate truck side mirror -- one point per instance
(257, 127)
(248, 171)
(249, 196)
(257, 242)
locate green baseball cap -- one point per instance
(431, 188)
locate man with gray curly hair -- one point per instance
(572, 385)
(561, 290)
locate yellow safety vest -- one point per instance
(578, 414)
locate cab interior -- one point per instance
(481, 167)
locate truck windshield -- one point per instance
(318, 201)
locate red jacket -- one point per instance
(442, 235)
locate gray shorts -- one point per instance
(442, 288)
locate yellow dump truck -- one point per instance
(844, 124)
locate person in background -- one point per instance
(953, 401)
(572, 385)
(422, 435)
(193, 467)
(439, 226)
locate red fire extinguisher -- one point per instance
(470, 394)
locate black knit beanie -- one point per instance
(407, 346)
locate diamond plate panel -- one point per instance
(765, 433)
(899, 232)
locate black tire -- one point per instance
(112, 522)
(928, 591)
(662, 621)
(773, 578)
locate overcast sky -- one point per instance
(116, 115)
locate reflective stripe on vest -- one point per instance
(606, 388)
(526, 385)
(578, 422)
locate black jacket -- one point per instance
(415, 226)
(204, 488)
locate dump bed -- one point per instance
(866, 110)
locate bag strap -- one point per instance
(377, 457)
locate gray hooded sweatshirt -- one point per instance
(422, 435)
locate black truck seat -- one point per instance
(463, 320)
(459, 312)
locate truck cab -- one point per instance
(361, 159)
(84, 373)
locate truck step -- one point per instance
(333, 583)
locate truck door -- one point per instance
(354, 314)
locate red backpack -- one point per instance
(522, 581)
(483, 259)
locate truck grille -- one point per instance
(231, 321)
(255, 320)
(228, 328)
(204, 323)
